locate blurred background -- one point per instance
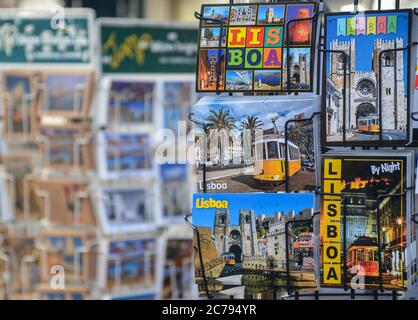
(173, 10)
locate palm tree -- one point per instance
(220, 121)
(251, 123)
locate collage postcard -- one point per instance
(262, 47)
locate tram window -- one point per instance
(282, 151)
(272, 150)
(294, 154)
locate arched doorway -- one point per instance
(364, 109)
(296, 74)
(237, 251)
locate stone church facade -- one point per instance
(239, 239)
(362, 90)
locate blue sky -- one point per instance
(261, 203)
(214, 52)
(296, 52)
(263, 108)
(364, 43)
(224, 11)
(278, 11)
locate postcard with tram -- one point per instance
(256, 144)
(365, 220)
(255, 246)
(367, 84)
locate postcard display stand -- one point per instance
(47, 73)
(143, 192)
(363, 224)
(77, 209)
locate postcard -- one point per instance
(268, 80)
(142, 295)
(73, 292)
(220, 13)
(23, 264)
(210, 36)
(7, 209)
(243, 15)
(271, 14)
(368, 114)
(178, 277)
(19, 104)
(125, 155)
(129, 102)
(300, 32)
(244, 146)
(20, 165)
(243, 243)
(66, 93)
(132, 264)
(250, 54)
(65, 201)
(66, 147)
(178, 99)
(126, 209)
(207, 69)
(368, 193)
(175, 191)
(74, 250)
(299, 71)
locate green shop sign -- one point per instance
(133, 47)
(46, 38)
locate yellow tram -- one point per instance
(270, 159)
(370, 124)
(229, 258)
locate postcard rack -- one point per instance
(314, 18)
(345, 59)
(7, 114)
(199, 251)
